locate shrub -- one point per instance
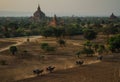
(88, 44)
(88, 51)
(89, 34)
(61, 42)
(78, 53)
(13, 49)
(49, 48)
(101, 49)
(114, 43)
(46, 47)
(3, 62)
(95, 47)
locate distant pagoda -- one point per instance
(54, 22)
(113, 16)
(38, 15)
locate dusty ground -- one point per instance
(100, 72)
(20, 67)
(5, 43)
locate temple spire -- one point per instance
(55, 18)
(38, 14)
(39, 7)
(54, 21)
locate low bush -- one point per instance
(3, 62)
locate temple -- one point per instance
(38, 15)
(113, 16)
(55, 22)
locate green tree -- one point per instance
(13, 49)
(114, 43)
(59, 32)
(101, 49)
(108, 30)
(95, 47)
(89, 34)
(88, 44)
(46, 31)
(72, 30)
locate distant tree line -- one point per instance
(23, 26)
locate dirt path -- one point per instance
(102, 72)
(91, 71)
(20, 41)
(105, 71)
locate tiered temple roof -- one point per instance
(113, 16)
(38, 15)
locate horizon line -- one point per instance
(50, 14)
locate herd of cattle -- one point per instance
(50, 69)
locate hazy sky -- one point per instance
(62, 7)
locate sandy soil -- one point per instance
(105, 71)
(6, 43)
(20, 68)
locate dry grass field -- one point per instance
(19, 68)
(5, 43)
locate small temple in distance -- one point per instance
(55, 22)
(112, 16)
